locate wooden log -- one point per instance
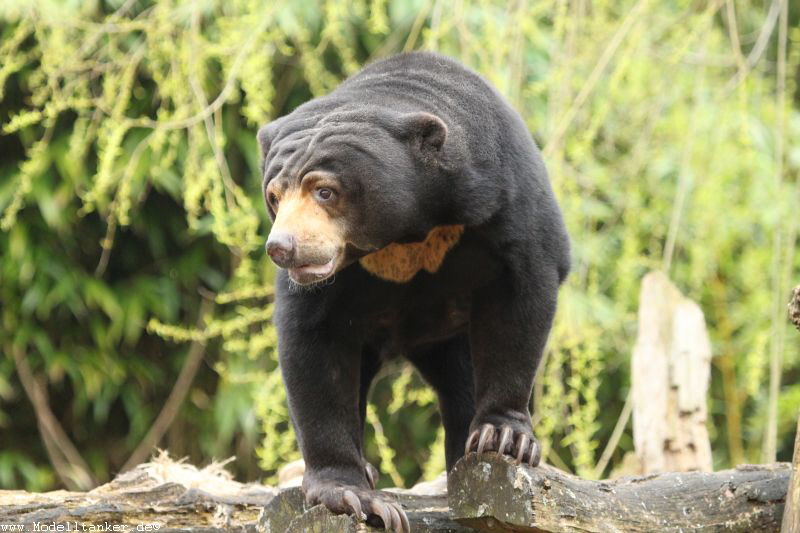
(163, 495)
(491, 494)
(791, 515)
(427, 513)
(169, 497)
(494, 494)
(670, 372)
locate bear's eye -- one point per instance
(324, 194)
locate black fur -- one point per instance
(417, 141)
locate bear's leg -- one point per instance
(447, 367)
(509, 324)
(322, 374)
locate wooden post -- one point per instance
(791, 513)
(670, 372)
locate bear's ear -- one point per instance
(427, 130)
(266, 134)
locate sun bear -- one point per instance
(412, 216)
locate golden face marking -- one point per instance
(300, 215)
(401, 262)
(319, 238)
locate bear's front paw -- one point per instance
(519, 444)
(367, 505)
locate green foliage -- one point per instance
(131, 218)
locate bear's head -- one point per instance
(339, 185)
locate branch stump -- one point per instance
(670, 374)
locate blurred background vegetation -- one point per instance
(135, 295)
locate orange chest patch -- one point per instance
(401, 262)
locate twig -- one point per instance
(67, 462)
(724, 360)
(179, 124)
(111, 221)
(684, 184)
(436, 26)
(623, 30)
(175, 399)
(106, 244)
(778, 329)
(758, 49)
(211, 133)
(554, 459)
(613, 441)
(733, 33)
(416, 27)
(387, 453)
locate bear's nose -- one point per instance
(280, 247)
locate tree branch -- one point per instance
(70, 467)
(174, 401)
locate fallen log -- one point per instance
(162, 495)
(171, 497)
(497, 495)
(427, 513)
(490, 494)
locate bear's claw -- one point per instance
(355, 504)
(392, 515)
(364, 505)
(519, 445)
(372, 475)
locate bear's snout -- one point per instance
(280, 247)
(307, 260)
